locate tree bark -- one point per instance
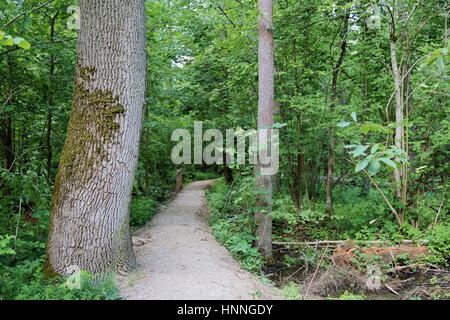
(265, 120)
(89, 226)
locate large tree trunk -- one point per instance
(90, 211)
(265, 120)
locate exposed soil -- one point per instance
(179, 258)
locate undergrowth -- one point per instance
(23, 238)
(359, 215)
(232, 222)
(142, 209)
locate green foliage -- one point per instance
(288, 220)
(233, 226)
(24, 280)
(371, 157)
(284, 211)
(440, 245)
(20, 286)
(349, 296)
(357, 212)
(7, 40)
(91, 288)
(291, 291)
(5, 246)
(142, 210)
(197, 175)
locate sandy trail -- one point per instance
(182, 260)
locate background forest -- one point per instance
(361, 90)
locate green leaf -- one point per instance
(374, 148)
(8, 41)
(373, 167)
(354, 117)
(24, 44)
(361, 165)
(365, 129)
(389, 162)
(2, 34)
(359, 151)
(441, 64)
(421, 168)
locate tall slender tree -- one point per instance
(90, 213)
(265, 120)
(334, 101)
(50, 100)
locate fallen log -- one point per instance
(343, 256)
(335, 243)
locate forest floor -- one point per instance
(178, 257)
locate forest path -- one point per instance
(182, 260)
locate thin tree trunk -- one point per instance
(8, 125)
(276, 183)
(49, 146)
(400, 83)
(398, 111)
(334, 101)
(179, 181)
(8, 143)
(227, 172)
(90, 210)
(265, 120)
(50, 103)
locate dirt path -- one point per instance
(182, 260)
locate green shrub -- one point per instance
(291, 291)
(354, 211)
(5, 245)
(440, 245)
(142, 210)
(349, 296)
(232, 223)
(25, 281)
(91, 288)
